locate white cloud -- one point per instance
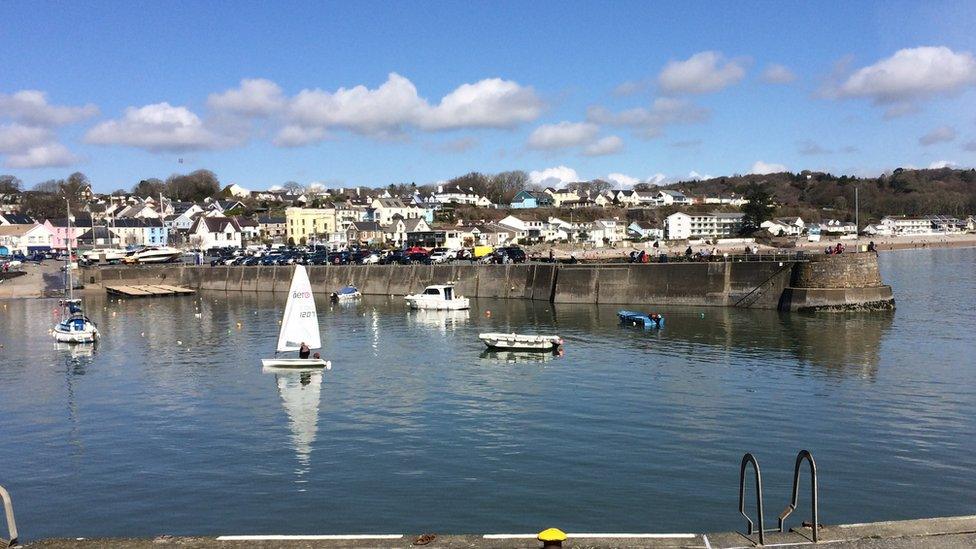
(942, 134)
(610, 144)
(48, 155)
(294, 135)
(698, 176)
(15, 138)
(704, 72)
(650, 122)
(554, 177)
(562, 135)
(939, 164)
(396, 105)
(31, 107)
(157, 127)
(777, 74)
(910, 74)
(763, 168)
(254, 98)
(625, 181)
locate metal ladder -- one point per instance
(8, 508)
(748, 459)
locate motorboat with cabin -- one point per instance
(346, 293)
(440, 297)
(521, 342)
(152, 254)
(104, 255)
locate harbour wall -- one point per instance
(843, 282)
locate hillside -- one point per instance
(816, 195)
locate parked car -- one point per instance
(441, 255)
(509, 254)
(339, 258)
(417, 257)
(395, 257)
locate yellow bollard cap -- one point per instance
(552, 534)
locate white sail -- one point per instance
(300, 323)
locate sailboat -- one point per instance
(74, 326)
(300, 324)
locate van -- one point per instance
(481, 251)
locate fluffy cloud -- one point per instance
(554, 177)
(625, 181)
(911, 74)
(562, 135)
(294, 135)
(942, 134)
(253, 98)
(777, 74)
(763, 168)
(650, 122)
(32, 147)
(48, 155)
(610, 144)
(704, 72)
(31, 107)
(939, 164)
(395, 105)
(156, 128)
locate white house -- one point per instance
(456, 194)
(385, 209)
(670, 198)
(786, 226)
(683, 226)
(215, 232)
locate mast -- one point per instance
(67, 268)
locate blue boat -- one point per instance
(346, 293)
(644, 320)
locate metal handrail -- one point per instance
(803, 455)
(8, 507)
(746, 460)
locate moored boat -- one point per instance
(644, 320)
(104, 255)
(346, 293)
(440, 297)
(153, 254)
(521, 342)
(74, 327)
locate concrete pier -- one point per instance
(843, 282)
(948, 533)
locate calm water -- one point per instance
(170, 426)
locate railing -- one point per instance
(8, 508)
(746, 460)
(807, 456)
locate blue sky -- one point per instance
(370, 93)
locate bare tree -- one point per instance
(149, 187)
(9, 184)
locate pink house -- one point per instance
(60, 234)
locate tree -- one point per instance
(151, 187)
(192, 187)
(502, 187)
(760, 206)
(9, 184)
(293, 187)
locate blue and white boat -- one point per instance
(644, 320)
(346, 293)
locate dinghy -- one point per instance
(300, 324)
(520, 342)
(644, 320)
(347, 293)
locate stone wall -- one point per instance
(846, 280)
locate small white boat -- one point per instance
(521, 342)
(74, 327)
(347, 293)
(153, 254)
(300, 324)
(441, 297)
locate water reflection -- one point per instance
(444, 320)
(300, 392)
(515, 357)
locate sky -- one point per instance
(373, 93)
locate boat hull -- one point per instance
(517, 342)
(84, 336)
(633, 318)
(296, 363)
(346, 297)
(456, 304)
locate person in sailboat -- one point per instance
(304, 351)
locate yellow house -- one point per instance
(305, 225)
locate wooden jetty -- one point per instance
(146, 290)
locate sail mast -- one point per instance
(68, 265)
